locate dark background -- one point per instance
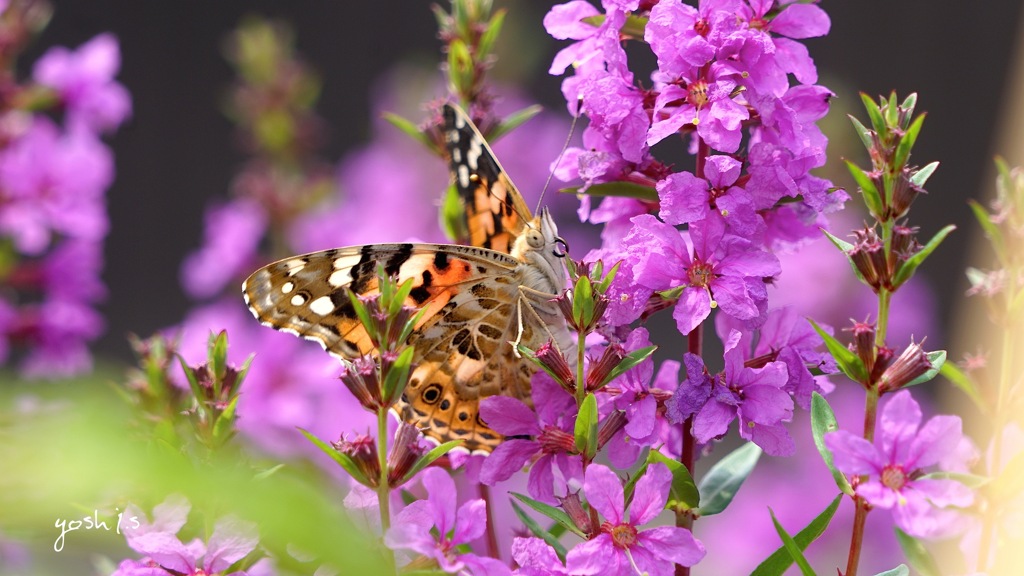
(177, 152)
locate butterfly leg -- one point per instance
(526, 294)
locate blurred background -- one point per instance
(178, 152)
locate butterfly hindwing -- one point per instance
(496, 213)
(461, 341)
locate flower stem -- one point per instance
(492, 536)
(383, 490)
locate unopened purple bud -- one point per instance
(573, 507)
(883, 358)
(404, 454)
(913, 362)
(868, 255)
(363, 451)
(904, 245)
(864, 343)
(610, 426)
(904, 193)
(599, 371)
(554, 361)
(360, 377)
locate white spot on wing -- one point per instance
(294, 266)
(340, 278)
(463, 176)
(298, 300)
(457, 155)
(473, 154)
(287, 287)
(322, 306)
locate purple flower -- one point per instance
(707, 103)
(724, 270)
(548, 433)
(536, 557)
(233, 232)
(53, 182)
(165, 554)
(895, 463)
(620, 549)
(434, 528)
(642, 399)
(790, 339)
(686, 198)
(672, 32)
(754, 396)
(84, 81)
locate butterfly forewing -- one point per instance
(496, 213)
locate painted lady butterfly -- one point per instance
(478, 298)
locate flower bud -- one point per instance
(573, 507)
(864, 343)
(913, 362)
(404, 454)
(600, 370)
(362, 450)
(556, 365)
(360, 377)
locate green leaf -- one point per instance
(684, 490)
(907, 141)
(964, 383)
(551, 512)
(218, 355)
(937, 359)
(429, 458)
(539, 531)
(791, 547)
(635, 26)
(780, 560)
(872, 198)
(909, 103)
(513, 121)
(847, 361)
(490, 34)
(862, 132)
(892, 111)
(224, 427)
(845, 247)
(343, 460)
(618, 189)
(410, 129)
(453, 214)
(972, 481)
(397, 377)
(364, 316)
(602, 287)
(585, 431)
(874, 113)
(995, 236)
(628, 361)
(583, 301)
(917, 555)
(723, 480)
(823, 421)
(900, 570)
(906, 271)
(193, 383)
(921, 175)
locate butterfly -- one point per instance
(478, 299)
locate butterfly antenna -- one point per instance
(565, 146)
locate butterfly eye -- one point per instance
(535, 239)
(561, 247)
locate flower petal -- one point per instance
(441, 495)
(853, 454)
(672, 543)
(508, 458)
(471, 522)
(650, 494)
(604, 492)
(231, 540)
(509, 416)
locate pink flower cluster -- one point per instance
(53, 180)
